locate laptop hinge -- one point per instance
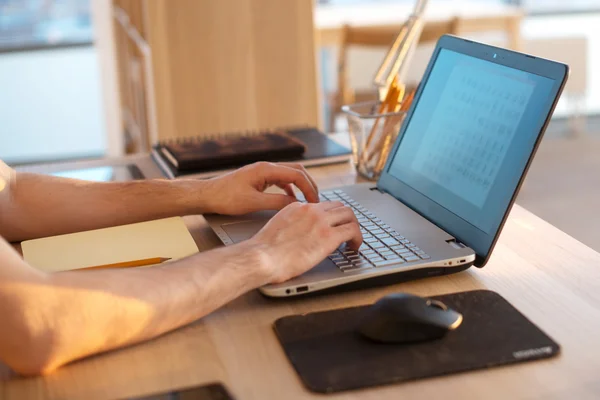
(456, 244)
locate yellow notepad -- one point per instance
(167, 237)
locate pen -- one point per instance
(129, 264)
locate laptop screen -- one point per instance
(471, 134)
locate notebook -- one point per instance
(168, 238)
(224, 151)
(318, 150)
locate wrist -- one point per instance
(192, 196)
(257, 255)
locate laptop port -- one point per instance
(301, 289)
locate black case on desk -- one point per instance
(329, 356)
(320, 149)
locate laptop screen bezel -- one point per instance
(460, 229)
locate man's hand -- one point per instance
(34, 206)
(242, 191)
(302, 235)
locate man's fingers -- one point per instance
(349, 233)
(287, 188)
(282, 175)
(340, 216)
(344, 223)
(329, 205)
(301, 167)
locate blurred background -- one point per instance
(101, 78)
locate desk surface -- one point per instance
(552, 278)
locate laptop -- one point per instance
(451, 178)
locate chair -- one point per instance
(374, 37)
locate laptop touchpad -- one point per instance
(240, 231)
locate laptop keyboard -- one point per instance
(382, 246)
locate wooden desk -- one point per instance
(475, 16)
(549, 276)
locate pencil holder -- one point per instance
(372, 136)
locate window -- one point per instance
(530, 6)
(559, 6)
(27, 24)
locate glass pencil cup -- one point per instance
(372, 136)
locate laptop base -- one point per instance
(377, 281)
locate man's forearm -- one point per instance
(39, 205)
(120, 307)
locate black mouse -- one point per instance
(404, 318)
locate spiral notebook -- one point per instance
(207, 156)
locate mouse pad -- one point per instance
(330, 356)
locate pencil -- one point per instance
(129, 264)
(389, 102)
(406, 104)
(384, 67)
(395, 104)
(397, 99)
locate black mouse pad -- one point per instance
(330, 356)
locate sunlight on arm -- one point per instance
(51, 319)
(61, 333)
(6, 176)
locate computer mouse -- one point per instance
(405, 318)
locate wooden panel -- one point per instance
(123, 53)
(133, 71)
(138, 107)
(134, 10)
(136, 16)
(231, 65)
